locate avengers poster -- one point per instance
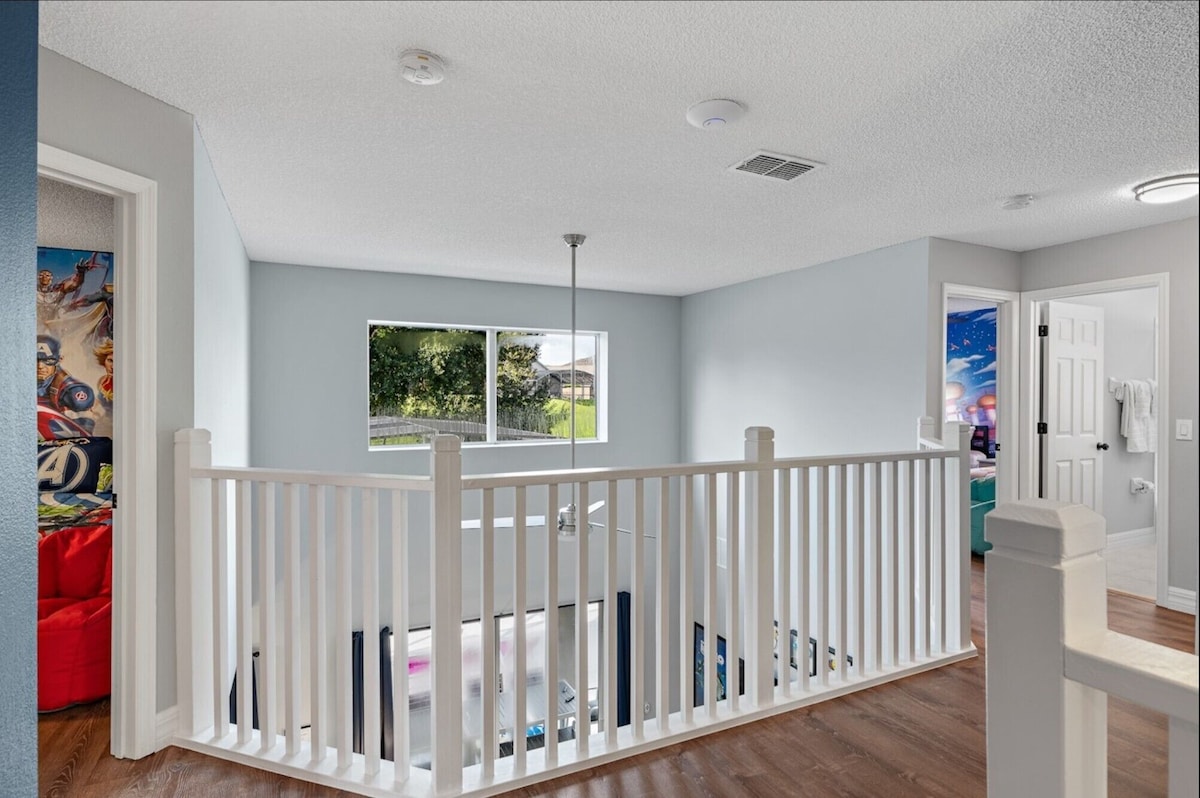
(74, 343)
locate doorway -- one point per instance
(979, 378)
(135, 655)
(1111, 456)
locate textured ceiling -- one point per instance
(561, 117)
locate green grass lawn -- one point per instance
(585, 417)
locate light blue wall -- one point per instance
(308, 358)
(18, 432)
(831, 357)
(222, 332)
(89, 114)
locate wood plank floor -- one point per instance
(922, 736)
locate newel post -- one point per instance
(193, 582)
(446, 626)
(957, 436)
(760, 564)
(926, 431)
(1045, 581)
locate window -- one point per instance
(486, 385)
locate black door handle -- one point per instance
(1102, 447)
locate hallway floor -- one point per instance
(1133, 569)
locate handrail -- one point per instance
(566, 476)
(336, 480)
(1151, 675)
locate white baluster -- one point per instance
(370, 598)
(550, 666)
(609, 669)
(783, 577)
(291, 614)
(710, 594)
(637, 642)
(267, 709)
(489, 682)
(805, 575)
(520, 650)
(401, 737)
(733, 590)
(821, 652)
(343, 630)
(220, 587)
(687, 614)
(662, 642)
(583, 719)
(245, 608)
(319, 643)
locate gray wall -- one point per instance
(960, 264)
(308, 358)
(73, 218)
(1129, 354)
(87, 113)
(832, 357)
(18, 432)
(1170, 248)
(222, 331)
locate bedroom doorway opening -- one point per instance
(133, 418)
(979, 382)
(76, 275)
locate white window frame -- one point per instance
(599, 394)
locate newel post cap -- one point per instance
(193, 436)
(1048, 528)
(760, 434)
(446, 443)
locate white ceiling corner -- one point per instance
(563, 117)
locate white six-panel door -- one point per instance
(1073, 447)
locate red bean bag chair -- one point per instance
(74, 616)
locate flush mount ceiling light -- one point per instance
(422, 67)
(1018, 202)
(715, 114)
(1168, 189)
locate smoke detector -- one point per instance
(422, 67)
(713, 114)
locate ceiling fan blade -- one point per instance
(598, 525)
(594, 506)
(506, 522)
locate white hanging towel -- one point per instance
(1139, 414)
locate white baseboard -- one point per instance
(1131, 537)
(1181, 600)
(166, 726)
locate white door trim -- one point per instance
(1007, 373)
(1029, 360)
(135, 467)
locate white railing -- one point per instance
(1052, 662)
(862, 560)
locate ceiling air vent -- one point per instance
(774, 165)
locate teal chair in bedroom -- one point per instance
(983, 501)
